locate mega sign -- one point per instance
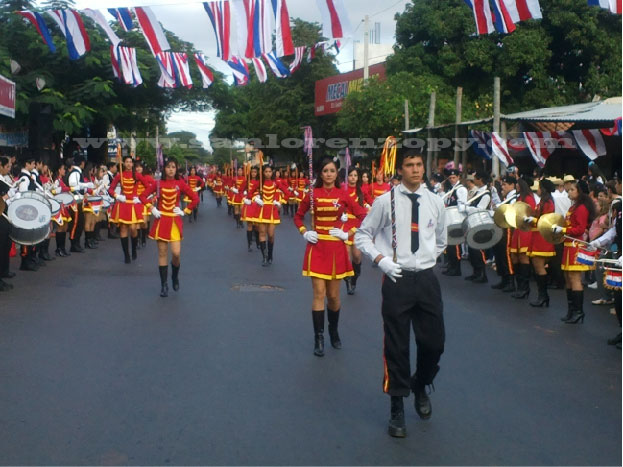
(7, 97)
(331, 92)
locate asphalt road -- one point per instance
(96, 368)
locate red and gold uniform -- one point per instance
(169, 227)
(240, 184)
(353, 222)
(327, 259)
(377, 189)
(195, 183)
(269, 212)
(218, 187)
(93, 205)
(127, 212)
(140, 189)
(65, 215)
(301, 187)
(539, 246)
(520, 241)
(576, 226)
(249, 211)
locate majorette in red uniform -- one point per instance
(326, 259)
(248, 210)
(237, 187)
(379, 186)
(140, 169)
(167, 228)
(356, 193)
(64, 217)
(128, 210)
(520, 246)
(218, 188)
(267, 203)
(195, 183)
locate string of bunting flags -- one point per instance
(541, 144)
(256, 22)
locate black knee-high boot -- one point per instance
(271, 245)
(134, 246)
(318, 319)
(543, 298)
(334, 317)
(256, 235)
(249, 240)
(125, 245)
(523, 281)
(60, 244)
(175, 271)
(164, 287)
(357, 269)
(264, 254)
(143, 237)
(569, 306)
(577, 297)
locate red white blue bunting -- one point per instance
(37, 20)
(72, 27)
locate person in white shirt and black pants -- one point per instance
(410, 291)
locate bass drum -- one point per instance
(454, 223)
(30, 217)
(480, 230)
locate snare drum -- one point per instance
(56, 211)
(454, 222)
(65, 198)
(30, 217)
(480, 230)
(612, 279)
(95, 203)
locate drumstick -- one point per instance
(575, 240)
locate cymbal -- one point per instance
(545, 224)
(522, 210)
(503, 216)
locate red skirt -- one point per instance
(352, 223)
(127, 213)
(267, 214)
(569, 254)
(520, 241)
(539, 246)
(169, 228)
(237, 199)
(248, 212)
(327, 259)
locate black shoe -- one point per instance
(64, 252)
(76, 249)
(5, 286)
(8, 275)
(127, 260)
(45, 256)
(471, 277)
(58, 252)
(349, 286)
(28, 266)
(481, 278)
(334, 317)
(577, 314)
(422, 403)
(397, 427)
(510, 287)
(615, 340)
(113, 235)
(452, 273)
(319, 344)
(164, 290)
(500, 285)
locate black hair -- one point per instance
(406, 154)
(110, 165)
(171, 160)
(326, 161)
(523, 189)
(360, 198)
(596, 171)
(4, 160)
(268, 166)
(546, 188)
(484, 176)
(586, 200)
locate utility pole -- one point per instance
(366, 42)
(406, 114)
(457, 121)
(431, 124)
(496, 121)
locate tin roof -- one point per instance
(601, 111)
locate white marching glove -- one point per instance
(155, 212)
(247, 201)
(557, 229)
(235, 190)
(178, 211)
(290, 188)
(244, 192)
(258, 200)
(121, 198)
(136, 200)
(12, 192)
(344, 217)
(391, 269)
(529, 220)
(339, 233)
(88, 185)
(296, 193)
(594, 244)
(620, 261)
(277, 203)
(311, 236)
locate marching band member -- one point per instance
(501, 249)
(27, 182)
(355, 191)
(478, 202)
(520, 245)
(379, 186)
(365, 183)
(128, 211)
(111, 171)
(269, 199)
(167, 228)
(237, 187)
(141, 187)
(65, 214)
(195, 183)
(292, 189)
(249, 211)
(578, 218)
(89, 211)
(6, 187)
(218, 188)
(541, 251)
(411, 295)
(77, 184)
(326, 259)
(456, 196)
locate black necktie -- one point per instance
(415, 229)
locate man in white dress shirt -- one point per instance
(457, 196)
(411, 293)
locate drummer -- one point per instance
(78, 185)
(65, 216)
(501, 250)
(5, 240)
(457, 196)
(480, 201)
(27, 182)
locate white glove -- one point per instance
(344, 217)
(12, 192)
(235, 190)
(136, 200)
(557, 229)
(57, 184)
(529, 220)
(339, 233)
(290, 188)
(620, 261)
(594, 244)
(121, 198)
(296, 193)
(88, 185)
(471, 209)
(247, 201)
(198, 188)
(258, 200)
(178, 211)
(311, 236)
(244, 192)
(155, 212)
(277, 203)
(391, 269)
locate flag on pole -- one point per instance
(347, 161)
(283, 34)
(151, 29)
(99, 19)
(590, 142)
(37, 20)
(522, 10)
(206, 74)
(72, 27)
(481, 142)
(262, 30)
(160, 156)
(335, 23)
(239, 70)
(502, 20)
(123, 17)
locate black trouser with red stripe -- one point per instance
(476, 259)
(5, 245)
(454, 257)
(412, 301)
(77, 225)
(502, 261)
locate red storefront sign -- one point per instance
(331, 92)
(7, 97)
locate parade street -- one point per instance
(98, 369)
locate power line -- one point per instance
(388, 8)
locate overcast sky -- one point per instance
(189, 21)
